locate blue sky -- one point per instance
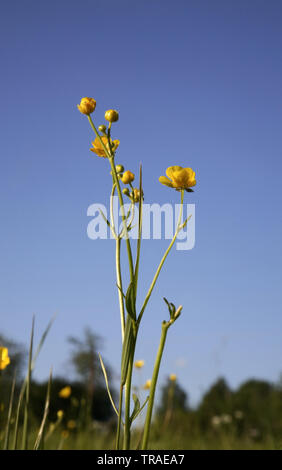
(197, 83)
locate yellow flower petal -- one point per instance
(170, 170)
(164, 180)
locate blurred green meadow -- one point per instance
(63, 414)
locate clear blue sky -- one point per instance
(197, 83)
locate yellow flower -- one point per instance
(172, 377)
(65, 434)
(4, 358)
(135, 195)
(98, 148)
(60, 414)
(147, 384)
(139, 364)
(65, 392)
(127, 177)
(111, 115)
(180, 178)
(71, 424)
(87, 105)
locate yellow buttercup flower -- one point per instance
(111, 115)
(65, 392)
(98, 148)
(60, 414)
(87, 105)
(71, 424)
(139, 364)
(4, 358)
(127, 177)
(147, 384)
(172, 377)
(180, 178)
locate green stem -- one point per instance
(116, 181)
(119, 416)
(162, 260)
(127, 423)
(147, 425)
(119, 284)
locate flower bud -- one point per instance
(136, 195)
(127, 177)
(102, 128)
(87, 105)
(119, 168)
(126, 191)
(60, 414)
(111, 115)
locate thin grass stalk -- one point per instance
(40, 436)
(7, 431)
(27, 392)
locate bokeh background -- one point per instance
(196, 83)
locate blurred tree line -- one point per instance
(253, 410)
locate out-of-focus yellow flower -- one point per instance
(65, 434)
(139, 364)
(2, 407)
(71, 424)
(65, 392)
(111, 115)
(4, 358)
(180, 178)
(172, 377)
(60, 414)
(127, 177)
(147, 384)
(98, 148)
(87, 105)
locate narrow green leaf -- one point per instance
(107, 385)
(27, 392)
(140, 409)
(130, 301)
(136, 407)
(128, 343)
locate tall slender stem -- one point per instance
(162, 260)
(116, 181)
(147, 425)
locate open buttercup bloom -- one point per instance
(179, 178)
(98, 148)
(172, 377)
(4, 358)
(139, 364)
(87, 105)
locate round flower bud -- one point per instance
(102, 128)
(87, 105)
(111, 115)
(119, 168)
(126, 191)
(127, 177)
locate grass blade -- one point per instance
(40, 435)
(27, 391)
(107, 385)
(7, 432)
